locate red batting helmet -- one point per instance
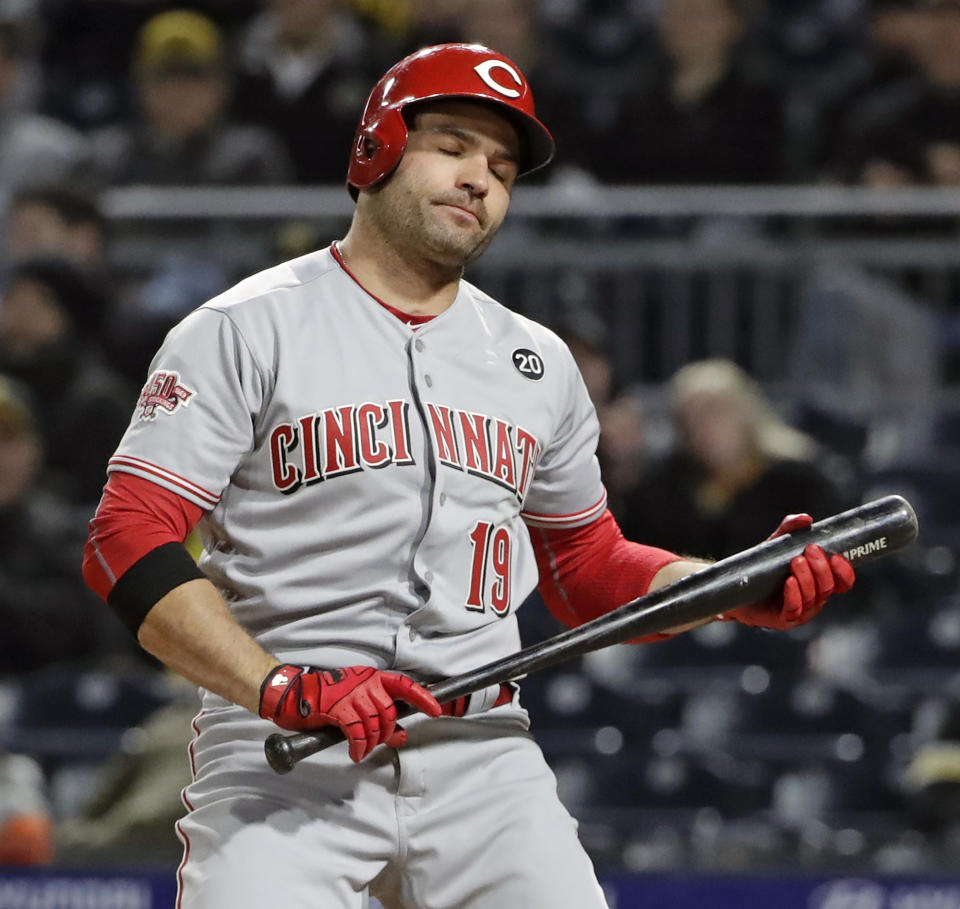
(442, 71)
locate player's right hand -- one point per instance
(358, 699)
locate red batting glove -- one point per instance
(358, 699)
(814, 578)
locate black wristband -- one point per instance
(150, 579)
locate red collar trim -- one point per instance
(405, 317)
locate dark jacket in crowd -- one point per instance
(46, 612)
(229, 154)
(82, 406)
(900, 125)
(733, 135)
(663, 510)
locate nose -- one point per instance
(474, 175)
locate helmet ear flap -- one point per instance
(368, 144)
(366, 161)
(377, 149)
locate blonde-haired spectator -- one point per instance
(735, 465)
(723, 413)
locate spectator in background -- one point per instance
(511, 27)
(909, 133)
(182, 135)
(62, 221)
(622, 450)
(694, 115)
(46, 613)
(26, 829)
(882, 62)
(931, 781)
(436, 22)
(390, 19)
(51, 316)
(33, 148)
(897, 32)
(735, 463)
(86, 52)
(304, 72)
(57, 220)
(622, 447)
(585, 334)
(179, 283)
(135, 800)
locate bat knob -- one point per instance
(280, 753)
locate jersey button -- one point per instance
(443, 498)
(419, 344)
(413, 634)
(429, 381)
(428, 577)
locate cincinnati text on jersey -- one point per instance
(369, 436)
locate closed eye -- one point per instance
(449, 144)
(505, 170)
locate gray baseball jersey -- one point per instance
(366, 487)
(367, 484)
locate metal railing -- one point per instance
(567, 200)
(674, 273)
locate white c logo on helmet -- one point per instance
(483, 70)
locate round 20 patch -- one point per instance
(528, 363)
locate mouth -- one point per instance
(465, 212)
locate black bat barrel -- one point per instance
(862, 534)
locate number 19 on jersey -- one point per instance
(490, 571)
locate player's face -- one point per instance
(450, 193)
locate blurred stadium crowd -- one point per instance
(836, 746)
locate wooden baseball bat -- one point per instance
(862, 534)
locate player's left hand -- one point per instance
(814, 578)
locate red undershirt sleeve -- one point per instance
(588, 571)
(134, 518)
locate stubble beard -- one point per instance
(414, 223)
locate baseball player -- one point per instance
(383, 462)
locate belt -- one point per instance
(479, 701)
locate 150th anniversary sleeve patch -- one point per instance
(163, 393)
